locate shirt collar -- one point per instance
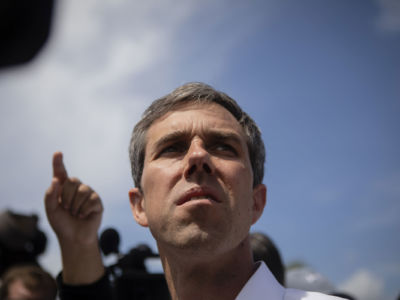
(261, 285)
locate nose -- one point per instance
(198, 160)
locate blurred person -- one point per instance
(197, 161)
(28, 282)
(264, 249)
(21, 240)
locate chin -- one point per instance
(195, 240)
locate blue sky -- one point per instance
(321, 78)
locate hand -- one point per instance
(73, 209)
(74, 212)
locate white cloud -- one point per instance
(85, 91)
(69, 99)
(364, 285)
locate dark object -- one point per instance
(109, 241)
(98, 290)
(139, 285)
(129, 276)
(21, 241)
(24, 29)
(135, 259)
(343, 295)
(264, 249)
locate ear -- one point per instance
(137, 206)
(259, 201)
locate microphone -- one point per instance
(109, 241)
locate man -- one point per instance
(197, 161)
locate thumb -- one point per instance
(59, 170)
(51, 196)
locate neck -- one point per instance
(212, 276)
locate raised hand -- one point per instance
(74, 212)
(73, 209)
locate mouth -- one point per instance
(197, 194)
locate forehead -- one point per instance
(206, 117)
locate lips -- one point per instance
(197, 193)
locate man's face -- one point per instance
(197, 181)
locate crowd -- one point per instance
(22, 277)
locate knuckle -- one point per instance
(74, 180)
(95, 202)
(47, 194)
(83, 188)
(95, 196)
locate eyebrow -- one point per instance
(169, 138)
(224, 136)
(212, 135)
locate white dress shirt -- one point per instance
(263, 285)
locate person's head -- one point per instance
(195, 93)
(28, 282)
(197, 161)
(21, 240)
(264, 249)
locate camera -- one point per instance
(129, 276)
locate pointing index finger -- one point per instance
(59, 170)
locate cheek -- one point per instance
(160, 173)
(240, 179)
(157, 182)
(240, 184)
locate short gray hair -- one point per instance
(195, 92)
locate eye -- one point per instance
(170, 150)
(224, 148)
